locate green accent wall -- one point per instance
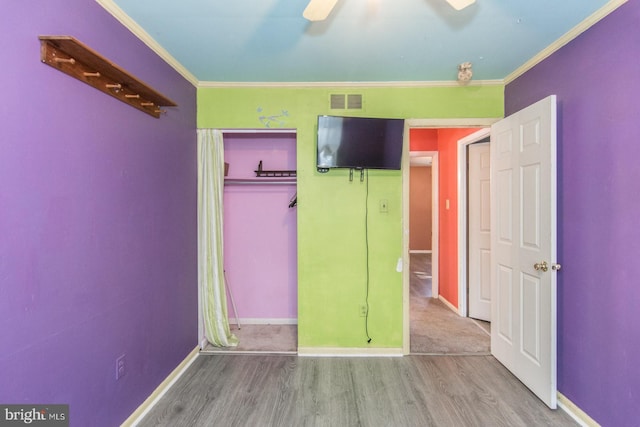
(332, 262)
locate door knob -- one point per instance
(541, 266)
(556, 267)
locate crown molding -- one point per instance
(566, 38)
(408, 84)
(139, 32)
(451, 123)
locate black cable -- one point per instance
(366, 239)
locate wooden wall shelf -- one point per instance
(66, 54)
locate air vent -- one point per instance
(340, 101)
(354, 102)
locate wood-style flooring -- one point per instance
(233, 389)
(284, 390)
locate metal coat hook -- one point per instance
(294, 200)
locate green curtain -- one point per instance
(211, 281)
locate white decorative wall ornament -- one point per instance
(460, 4)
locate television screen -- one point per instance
(359, 143)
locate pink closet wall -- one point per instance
(260, 249)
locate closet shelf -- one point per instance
(260, 181)
(66, 54)
(274, 173)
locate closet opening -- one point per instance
(260, 240)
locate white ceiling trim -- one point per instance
(451, 123)
(139, 32)
(452, 83)
(566, 38)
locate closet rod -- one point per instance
(260, 181)
(268, 130)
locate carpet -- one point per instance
(282, 339)
(436, 329)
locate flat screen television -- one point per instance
(359, 143)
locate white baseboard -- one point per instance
(254, 321)
(160, 391)
(349, 352)
(575, 412)
(203, 343)
(448, 304)
(420, 251)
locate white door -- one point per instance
(479, 190)
(523, 243)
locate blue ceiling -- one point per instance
(361, 41)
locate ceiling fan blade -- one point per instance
(460, 4)
(318, 10)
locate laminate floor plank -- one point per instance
(386, 395)
(327, 392)
(286, 390)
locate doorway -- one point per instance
(260, 242)
(434, 124)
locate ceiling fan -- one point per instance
(318, 10)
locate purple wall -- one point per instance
(596, 80)
(260, 246)
(98, 237)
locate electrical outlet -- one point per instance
(362, 309)
(121, 367)
(384, 205)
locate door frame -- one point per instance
(463, 259)
(433, 124)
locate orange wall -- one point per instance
(423, 139)
(448, 190)
(420, 208)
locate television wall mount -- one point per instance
(361, 174)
